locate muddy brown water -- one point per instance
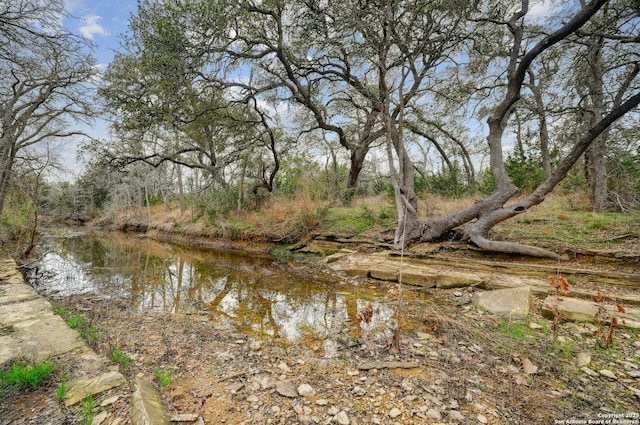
(256, 295)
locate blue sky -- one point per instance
(101, 22)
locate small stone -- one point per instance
(184, 417)
(454, 415)
(358, 391)
(306, 390)
(434, 414)
(233, 389)
(304, 419)
(583, 358)
(534, 325)
(423, 335)
(253, 398)
(100, 417)
(482, 419)
(607, 373)
(407, 385)
(322, 402)
(333, 410)
(342, 418)
(528, 367)
(633, 373)
(284, 367)
(394, 413)
(109, 401)
(589, 372)
(286, 389)
(268, 382)
(255, 346)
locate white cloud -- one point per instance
(543, 9)
(91, 27)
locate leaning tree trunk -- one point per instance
(492, 210)
(477, 231)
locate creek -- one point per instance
(257, 295)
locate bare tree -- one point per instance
(45, 73)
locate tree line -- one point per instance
(222, 100)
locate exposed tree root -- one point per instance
(515, 248)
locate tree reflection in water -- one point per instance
(254, 295)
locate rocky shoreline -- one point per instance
(456, 362)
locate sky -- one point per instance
(102, 22)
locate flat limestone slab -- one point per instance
(81, 388)
(16, 292)
(512, 302)
(31, 329)
(146, 405)
(390, 268)
(576, 310)
(572, 309)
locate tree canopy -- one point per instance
(230, 88)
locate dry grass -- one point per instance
(560, 220)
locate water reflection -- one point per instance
(254, 295)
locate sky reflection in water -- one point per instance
(254, 295)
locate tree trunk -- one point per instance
(598, 187)
(332, 176)
(356, 164)
(492, 211)
(543, 133)
(6, 166)
(597, 151)
(147, 200)
(243, 171)
(180, 188)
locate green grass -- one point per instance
(87, 330)
(556, 223)
(516, 330)
(163, 377)
(281, 250)
(62, 391)
(118, 356)
(22, 375)
(357, 220)
(87, 410)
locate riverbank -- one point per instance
(454, 362)
(30, 332)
